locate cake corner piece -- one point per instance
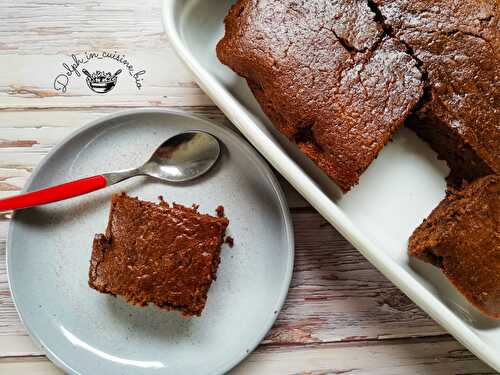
(462, 237)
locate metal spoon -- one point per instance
(182, 157)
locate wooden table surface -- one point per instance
(341, 316)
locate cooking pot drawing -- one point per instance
(101, 82)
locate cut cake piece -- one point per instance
(326, 76)
(156, 253)
(462, 237)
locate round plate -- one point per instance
(86, 332)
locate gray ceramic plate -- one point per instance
(85, 332)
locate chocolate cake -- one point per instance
(156, 253)
(326, 75)
(457, 47)
(339, 77)
(462, 237)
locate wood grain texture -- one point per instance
(341, 315)
(57, 27)
(399, 357)
(28, 366)
(336, 295)
(39, 36)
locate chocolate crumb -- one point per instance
(229, 240)
(163, 202)
(220, 211)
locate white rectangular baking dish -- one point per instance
(394, 195)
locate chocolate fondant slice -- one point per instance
(156, 253)
(462, 237)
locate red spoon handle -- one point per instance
(54, 193)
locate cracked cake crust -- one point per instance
(326, 75)
(457, 47)
(339, 77)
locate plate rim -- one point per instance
(300, 180)
(289, 230)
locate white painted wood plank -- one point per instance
(77, 117)
(18, 346)
(443, 357)
(60, 26)
(28, 366)
(37, 37)
(169, 97)
(166, 82)
(337, 295)
(427, 357)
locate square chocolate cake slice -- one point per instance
(462, 237)
(157, 253)
(326, 75)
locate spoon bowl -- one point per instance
(183, 157)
